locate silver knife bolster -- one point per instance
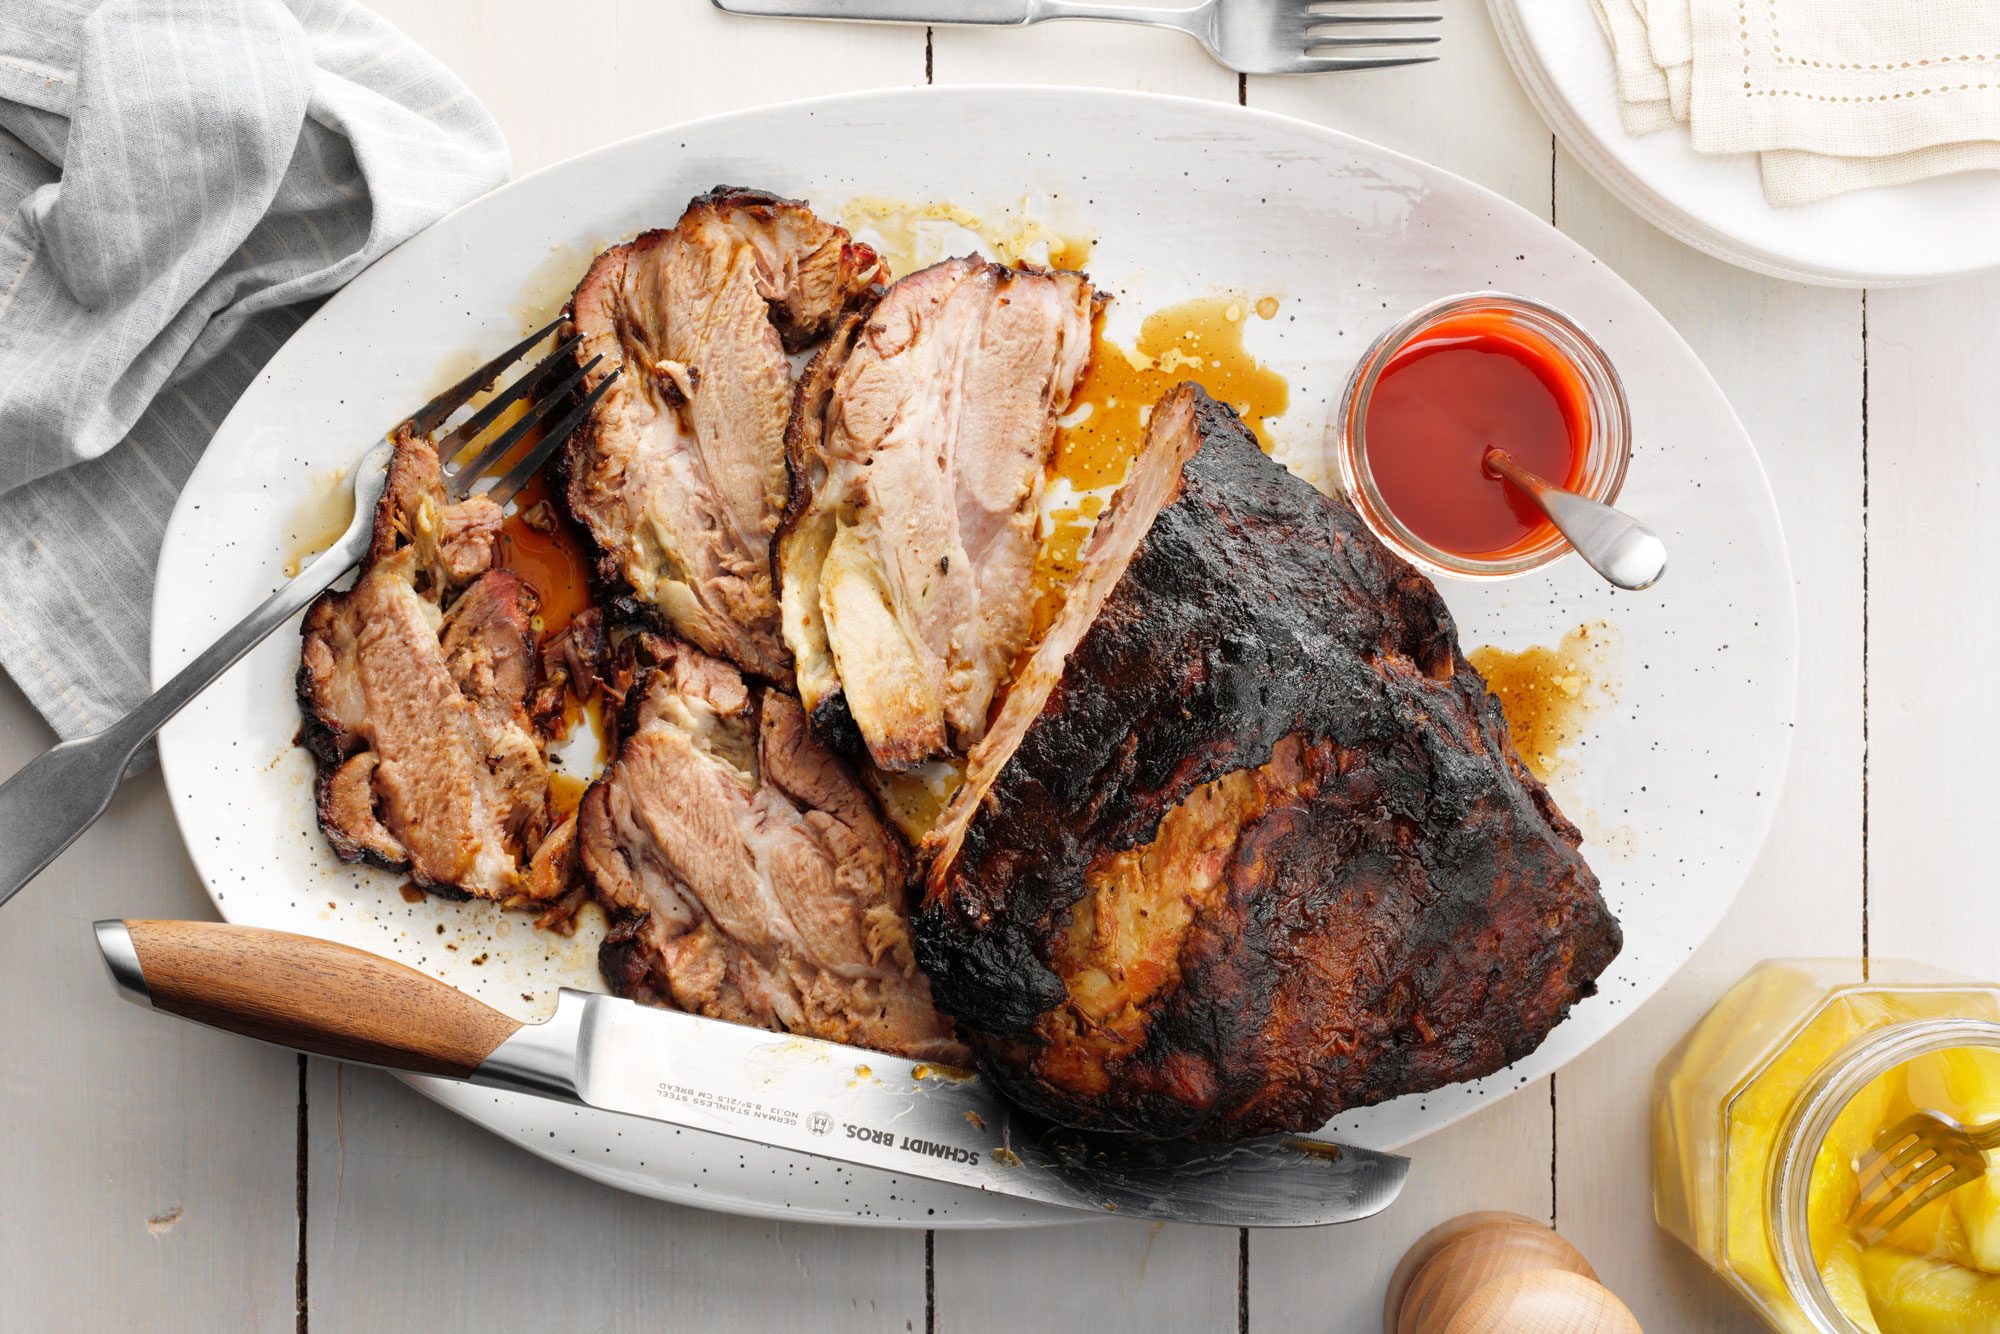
(114, 941)
(981, 12)
(544, 1059)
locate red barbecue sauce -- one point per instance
(1460, 386)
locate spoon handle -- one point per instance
(1626, 552)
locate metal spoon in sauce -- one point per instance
(1626, 552)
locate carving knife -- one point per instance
(793, 1093)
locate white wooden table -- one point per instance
(157, 1176)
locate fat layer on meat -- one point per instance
(679, 476)
(919, 445)
(415, 685)
(750, 876)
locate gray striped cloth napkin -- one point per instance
(180, 181)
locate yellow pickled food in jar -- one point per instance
(1754, 1121)
(1731, 1137)
(1938, 1272)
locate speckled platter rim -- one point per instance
(1675, 780)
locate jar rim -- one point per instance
(1608, 450)
(1812, 1113)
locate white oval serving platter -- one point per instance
(1674, 781)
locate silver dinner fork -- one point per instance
(1248, 36)
(61, 792)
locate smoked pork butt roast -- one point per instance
(748, 873)
(1248, 843)
(678, 476)
(919, 445)
(418, 686)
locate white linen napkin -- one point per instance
(180, 180)
(1834, 95)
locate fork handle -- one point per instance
(60, 793)
(984, 13)
(981, 12)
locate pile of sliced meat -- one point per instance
(751, 875)
(679, 475)
(1242, 841)
(416, 686)
(921, 440)
(748, 872)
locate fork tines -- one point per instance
(550, 384)
(530, 463)
(432, 414)
(1325, 29)
(1903, 1170)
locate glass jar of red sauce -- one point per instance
(1447, 382)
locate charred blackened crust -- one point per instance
(836, 729)
(319, 733)
(623, 961)
(1411, 912)
(607, 588)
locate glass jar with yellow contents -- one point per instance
(1762, 1114)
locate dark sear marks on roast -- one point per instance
(416, 686)
(919, 446)
(749, 875)
(678, 476)
(1248, 843)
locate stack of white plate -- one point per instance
(1914, 233)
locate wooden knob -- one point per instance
(1542, 1301)
(1468, 1258)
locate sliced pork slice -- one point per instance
(416, 684)
(679, 474)
(919, 446)
(750, 876)
(1249, 843)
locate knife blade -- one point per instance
(844, 1103)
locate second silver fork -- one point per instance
(60, 793)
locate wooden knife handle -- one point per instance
(311, 995)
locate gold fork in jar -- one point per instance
(1921, 1158)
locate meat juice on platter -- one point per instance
(970, 682)
(1549, 692)
(538, 543)
(1199, 339)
